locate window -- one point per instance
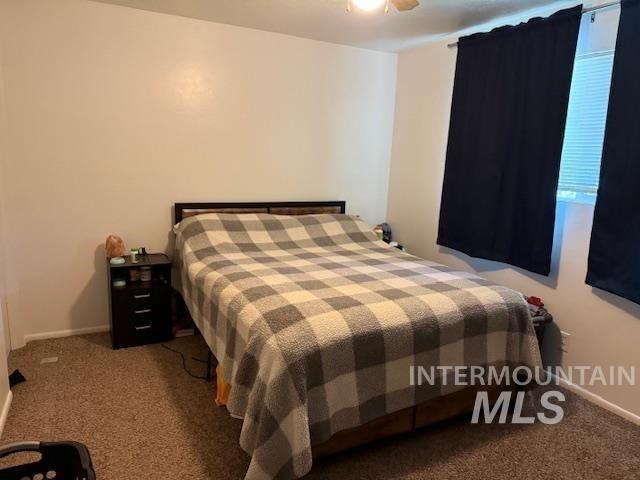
(584, 132)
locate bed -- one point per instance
(316, 324)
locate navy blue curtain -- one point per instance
(510, 100)
(614, 255)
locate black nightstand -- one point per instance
(140, 310)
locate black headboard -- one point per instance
(184, 210)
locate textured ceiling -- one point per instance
(327, 20)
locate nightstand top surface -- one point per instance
(149, 260)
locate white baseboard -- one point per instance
(598, 400)
(5, 411)
(66, 333)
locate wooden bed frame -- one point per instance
(184, 210)
(403, 421)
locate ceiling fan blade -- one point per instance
(404, 5)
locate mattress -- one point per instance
(316, 325)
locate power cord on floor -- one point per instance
(184, 362)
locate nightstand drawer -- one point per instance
(142, 318)
(141, 301)
(141, 295)
(142, 326)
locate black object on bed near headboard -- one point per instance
(184, 210)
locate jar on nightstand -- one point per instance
(145, 274)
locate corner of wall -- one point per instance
(5, 392)
(4, 320)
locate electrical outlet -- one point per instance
(565, 341)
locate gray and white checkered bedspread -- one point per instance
(315, 323)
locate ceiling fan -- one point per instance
(369, 5)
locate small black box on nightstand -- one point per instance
(140, 300)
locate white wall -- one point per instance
(605, 329)
(114, 114)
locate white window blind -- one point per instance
(584, 131)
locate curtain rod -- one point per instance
(584, 10)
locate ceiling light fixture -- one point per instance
(368, 5)
(371, 5)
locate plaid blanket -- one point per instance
(316, 324)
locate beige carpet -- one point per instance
(143, 417)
